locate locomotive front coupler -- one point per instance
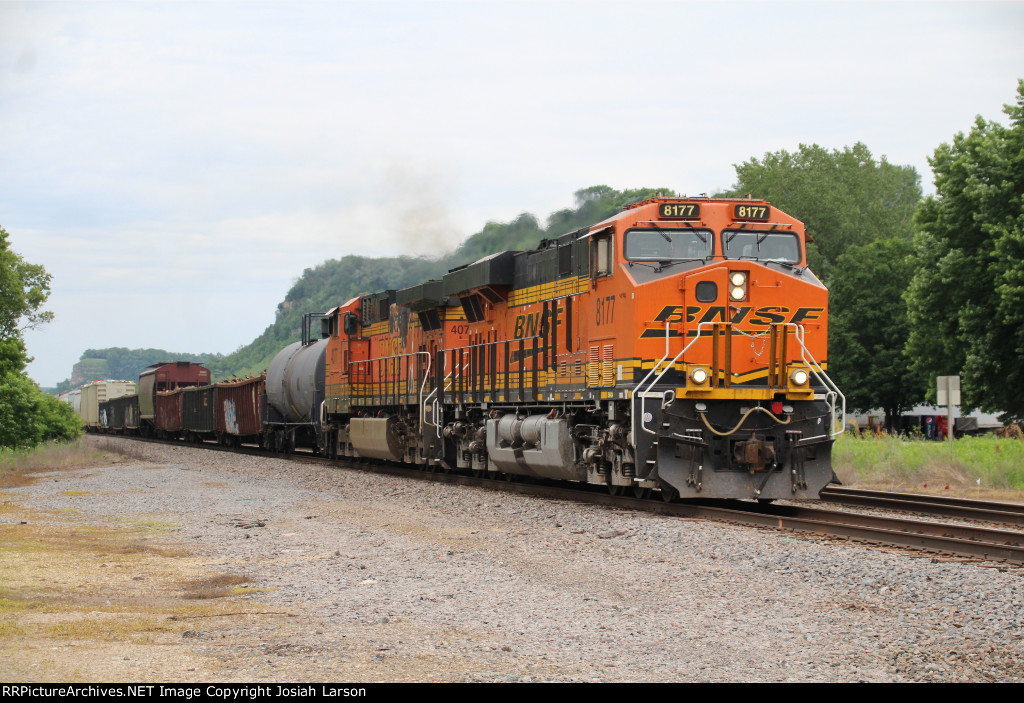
(755, 454)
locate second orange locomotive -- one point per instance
(679, 346)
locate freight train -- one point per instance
(676, 348)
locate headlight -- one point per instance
(737, 285)
(798, 377)
(699, 376)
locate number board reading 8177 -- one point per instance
(679, 211)
(750, 212)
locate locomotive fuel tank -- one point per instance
(533, 446)
(378, 438)
(295, 381)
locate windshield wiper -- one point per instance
(660, 231)
(662, 265)
(787, 264)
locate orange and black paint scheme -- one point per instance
(677, 347)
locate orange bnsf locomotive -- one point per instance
(679, 346)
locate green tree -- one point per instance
(868, 328)
(24, 287)
(13, 356)
(966, 301)
(27, 415)
(845, 198)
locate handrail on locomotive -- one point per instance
(831, 396)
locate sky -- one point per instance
(176, 166)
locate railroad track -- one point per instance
(971, 541)
(965, 508)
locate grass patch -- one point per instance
(141, 524)
(48, 457)
(9, 629)
(15, 478)
(20, 467)
(214, 587)
(97, 587)
(9, 605)
(9, 506)
(96, 598)
(106, 628)
(979, 463)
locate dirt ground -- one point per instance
(86, 598)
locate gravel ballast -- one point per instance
(392, 579)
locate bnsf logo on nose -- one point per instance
(763, 316)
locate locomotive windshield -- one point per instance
(782, 247)
(667, 245)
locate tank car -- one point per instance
(295, 393)
(678, 346)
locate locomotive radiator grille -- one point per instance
(601, 367)
(593, 367)
(607, 367)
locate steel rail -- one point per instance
(968, 508)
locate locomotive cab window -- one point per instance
(351, 324)
(780, 247)
(669, 246)
(601, 257)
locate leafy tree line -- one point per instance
(966, 297)
(337, 281)
(844, 197)
(918, 287)
(27, 415)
